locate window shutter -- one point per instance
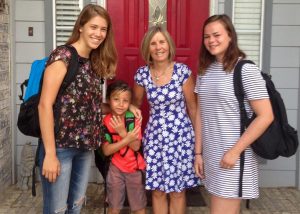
(248, 22)
(66, 13)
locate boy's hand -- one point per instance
(133, 135)
(118, 125)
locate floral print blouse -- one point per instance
(79, 123)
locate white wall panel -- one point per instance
(290, 98)
(28, 52)
(286, 36)
(279, 178)
(286, 14)
(22, 72)
(22, 32)
(286, 1)
(280, 164)
(285, 77)
(285, 57)
(293, 118)
(29, 11)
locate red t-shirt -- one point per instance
(128, 162)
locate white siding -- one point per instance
(284, 66)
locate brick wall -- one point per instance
(5, 100)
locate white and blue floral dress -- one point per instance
(169, 137)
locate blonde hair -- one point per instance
(103, 58)
(145, 52)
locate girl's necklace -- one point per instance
(157, 77)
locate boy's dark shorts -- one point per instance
(120, 182)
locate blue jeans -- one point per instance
(67, 193)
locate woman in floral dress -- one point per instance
(169, 138)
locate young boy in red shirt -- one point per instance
(125, 174)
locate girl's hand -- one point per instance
(51, 168)
(118, 125)
(136, 111)
(229, 159)
(199, 166)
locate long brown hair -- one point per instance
(103, 58)
(145, 50)
(232, 53)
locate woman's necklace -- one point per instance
(157, 77)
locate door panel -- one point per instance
(185, 20)
(130, 22)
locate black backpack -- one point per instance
(28, 118)
(280, 139)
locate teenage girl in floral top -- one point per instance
(65, 156)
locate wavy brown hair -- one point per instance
(103, 58)
(232, 53)
(145, 46)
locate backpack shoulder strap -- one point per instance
(129, 124)
(239, 90)
(237, 78)
(239, 93)
(69, 77)
(107, 135)
(72, 69)
(129, 121)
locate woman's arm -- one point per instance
(138, 94)
(198, 164)
(53, 77)
(190, 98)
(137, 99)
(194, 114)
(264, 117)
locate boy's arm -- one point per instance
(111, 148)
(135, 145)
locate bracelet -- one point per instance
(200, 153)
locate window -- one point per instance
(65, 13)
(248, 19)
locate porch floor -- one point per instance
(271, 201)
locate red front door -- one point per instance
(130, 22)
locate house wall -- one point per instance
(5, 99)
(284, 68)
